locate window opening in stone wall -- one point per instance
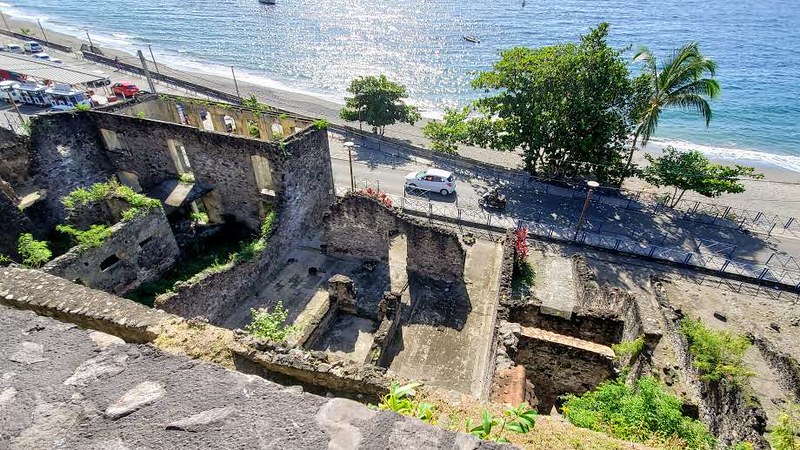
(253, 130)
(277, 131)
(179, 157)
(146, 241)
(205, 121)
(108, 262)
(263, 175)
(182, 117)
(230, 124)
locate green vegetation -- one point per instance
(519, 420)
(83, 107)
(33, 253)
(447, 133)
(26, 32)
(4, 260)
(321, 124)
(252, 130)
(270, 325)
(138, 204)
(630, 349)
(680, 83)
(646, 413)
(253, 103)
(717, 355)
(784, 435)
(186, 177)
(378, 102)
(27, 127)
(91, 238)
(692, 171)
(522, 276)
(199, 217)
(569, 108)
(400, 400)
(140, 115)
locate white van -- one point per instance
(14, 48)
(32, 46)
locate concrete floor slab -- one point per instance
(447, 336)
(555, 286)
(348, 337)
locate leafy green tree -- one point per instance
(684, 81)
(447, 133)
(34, 253)
(568, 107)
(378, 101)
(692, 171)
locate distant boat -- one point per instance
(267, 2)
(472, 38)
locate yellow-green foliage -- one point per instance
(784, 436)
(91, 238)
(34, 253)
(646, 413)
(139, 204)
(716, 354)
(629, 348)
(270, 325)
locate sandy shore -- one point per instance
(778, 193)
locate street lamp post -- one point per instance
(46, 41)
(4, 21)
(592, 186)
(91, 46)
(349, 146)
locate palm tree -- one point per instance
(679, 83)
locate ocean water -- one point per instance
(319, 46)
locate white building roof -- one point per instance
(45, 70)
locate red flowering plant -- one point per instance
(378, 195)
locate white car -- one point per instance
(14, 48)
(433, 180)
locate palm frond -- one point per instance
(693, 103)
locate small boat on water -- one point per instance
(472, 38)
(267, 2)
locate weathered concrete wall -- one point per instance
(136, 252)
(14, 158)
(361, 226)
(557, 365)
(67, 153)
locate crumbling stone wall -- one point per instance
(557, 365)
(14, 158)
(137, 251)
(218, 161)
(360, 226)
(67, 153)
(12, 223)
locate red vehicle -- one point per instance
(125, 88)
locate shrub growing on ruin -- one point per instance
(717, 355)
(138, 204)
(270, 325)
(321, 124)
(644, 413)
(518, 420)
(629, 348)
(186, 178)
(523, 275)
(33, 253)
(91, 238)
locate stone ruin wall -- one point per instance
(14, 158)
(360, 227)
(137, 251)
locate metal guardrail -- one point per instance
(709, 260)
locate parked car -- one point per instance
(32, 46)
(125, 88)
(433, 180)
(14, 48)
(60, 108)
(42, 56)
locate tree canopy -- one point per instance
(378, 102)
(568, 107)
(692, 171)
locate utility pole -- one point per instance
(4, 21)
(149, 47)
(146, 72)
(91, 46)
(16, 108)
(592, 185)
(43, 34)
(349, 145)
(235, 83)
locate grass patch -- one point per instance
(717, 355)
(629, 349)
(645, 413)
(198, 340)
